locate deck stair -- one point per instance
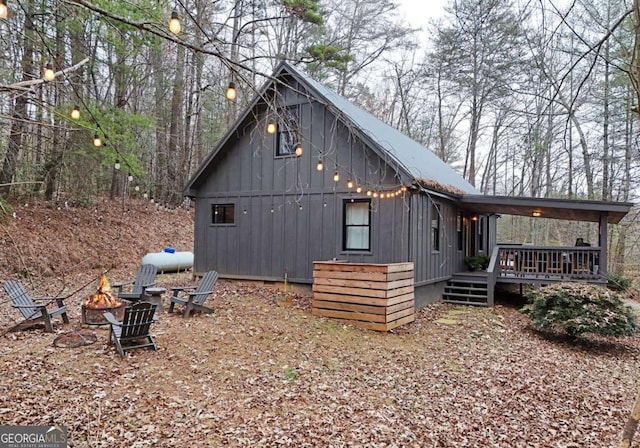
(467, 288)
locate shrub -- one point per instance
(477, 262)
(580, 308)
(618, 282)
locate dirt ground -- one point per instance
(264, 372)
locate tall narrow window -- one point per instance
(287, 132)
(460, 230)
(481, 224)
(435, 227)
(222, 213)
(357, 225)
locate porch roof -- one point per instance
(567, 209)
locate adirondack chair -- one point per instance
(35, 310)
(145, 278)
(194, 301)
(133, 330)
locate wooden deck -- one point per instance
(539, 264)
(531, 265)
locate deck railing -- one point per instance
(571, 263)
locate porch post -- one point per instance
(603, 238)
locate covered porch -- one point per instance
(536, 264)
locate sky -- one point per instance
(418, 12)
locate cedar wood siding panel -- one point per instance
(263, 244)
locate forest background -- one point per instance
(535, 99)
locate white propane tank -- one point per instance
(169, 260)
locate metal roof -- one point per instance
(567, 209)
(416, 160)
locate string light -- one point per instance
(359, 189)
(336, 177)
(174, 23)
(298, 149)
(96, 140)
(75, 113)
(117, 165)
(349, 184)
(271, 127)
(231, 91)
(320, 165)
(4, 11)
(129, 177)
(49, 74)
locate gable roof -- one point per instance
(417, 161)
(407, 155)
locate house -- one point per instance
(304, 175)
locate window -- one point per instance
(222, 213)
(357, 227)
(460, 230)
(481, 224)
(435, 227)
(287, 132)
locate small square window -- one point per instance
(223, 213)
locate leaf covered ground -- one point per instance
(264, 372)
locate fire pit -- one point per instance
(100, 302)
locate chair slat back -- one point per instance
(19, 297)
(205, 287)
(145, 276)
(137, 320)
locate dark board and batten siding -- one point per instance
(308, 206)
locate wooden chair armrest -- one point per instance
(177, 289)
(111, 319)
(29, 306)
(120, 285)
(198, 293)
(148, 285)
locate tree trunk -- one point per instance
(632, 424)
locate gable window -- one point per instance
(222, 213)
(287, 132)
(357, 225)
(435, 227)
(460, 230)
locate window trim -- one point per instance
(215, 211)
(345, 206)
(435, 230)
(288, 123)
(460, 231)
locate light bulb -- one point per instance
(96, 141)
(336, 177)
(145, 195)
(117, 164)
(4, 11)
(174, 23)
(137, 188)
(320, 165)
(49, 74)
(349, 184)
(298, 149)
(75, 113)
(271, 128)
(369, 192)
(359, 189)
(129, 177)
(231, 91)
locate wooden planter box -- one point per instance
(374, 296)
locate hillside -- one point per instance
(54, 248)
